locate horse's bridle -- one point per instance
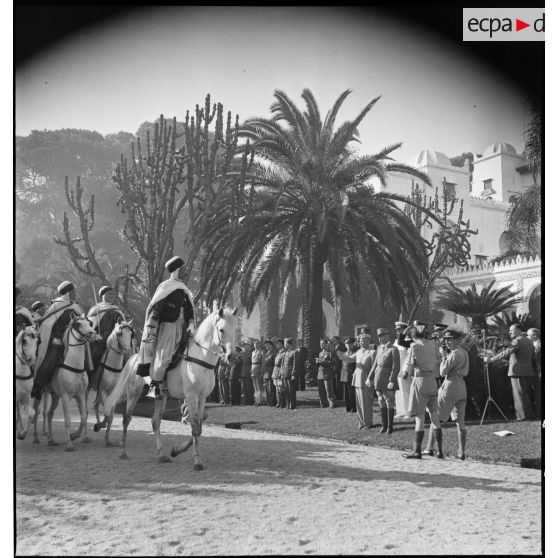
(187, 357)
(111, 348)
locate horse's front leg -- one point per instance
(132, 395)
(107, 420)
(82, 407)
(36, 405)
(19, 424)
(46, 397)
(197, 419)
(158, 409)
(181, 448)
(54, 400)
(100, 398)
(24, 417)
(67, 420)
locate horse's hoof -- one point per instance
(21, 436)
(70, 448)
(74, 436)
(173, 452)
(123, 456)
(97, 427)
(52, 443)
(198, 467)
(86, 440)
(165, 459)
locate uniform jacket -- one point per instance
(268, 364)
(386, 367)
(423, 356)
(337, 363)
(348, 368)
(246, 356)
(522, 357)
(455, 364)
(363, 359)
(278, 363)
(325, 363)
(288, 365)
(224, 368)
(257, 362)
(236, 368)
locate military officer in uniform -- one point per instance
(234, 377)
(325, 374)
(256, 371)
(438, 336)
(383, 374)
(169, 321)
(452, 395)
(347, 376)
(288, 374)
(245, 377)
(51, 349)
(363, 359)
(402, 343)
(268, 367)
(301, 356)
(421, 362)
(276, 375)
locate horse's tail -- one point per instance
(118, 392)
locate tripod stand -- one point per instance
(489, 399)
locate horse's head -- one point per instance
(28, 339)
(84, 328)
(226, 323)
(124, 333)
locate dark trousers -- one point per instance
(235, 392)
(247, 390)
(52, 361)
(349, 396)
(270, 392)
(301, 381)
(285, 395)
(327, 395)
(337, 385)
(224, 391)
(521, 389)
(292, 386)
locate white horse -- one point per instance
(70, 380)
(26, 344)
(191, 380)
(119, 345)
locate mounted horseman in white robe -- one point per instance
(169, 321)
(23, 316)
(51, 349)
(103, 317)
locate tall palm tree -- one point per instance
(476, 305)
(310, 209)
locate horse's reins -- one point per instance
(189, 358)
(67, 366)
(105, 356)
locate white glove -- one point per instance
(390, 385)
(191, 328)
(368, 383)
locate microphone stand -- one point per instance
(489, 399)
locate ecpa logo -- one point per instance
(503, 24)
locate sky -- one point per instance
(435, 93)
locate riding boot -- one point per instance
(419, 435)
(462, 439)
(440, 454)
(154, 389)
(391, 415)
(384, 417)
(430, 444)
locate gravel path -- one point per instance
(263, 493)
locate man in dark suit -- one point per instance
(337, 366)
(234, 377)
(521, 371)
(301, 356)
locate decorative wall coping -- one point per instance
(478, 272)
(493, 204)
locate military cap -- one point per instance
(269, 341)
(349, 340)
(421, 326)
(452, 334)
(278, 340)
(401, 324)
(364, 334)
(104, 290)
(440, 326)
(37, 305)
(382, 331)
(174, 263)
(65, 287)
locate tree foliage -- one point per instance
(310, 212)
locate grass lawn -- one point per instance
(336, 424)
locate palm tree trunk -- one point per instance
(313, 308)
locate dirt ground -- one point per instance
(263, 493)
